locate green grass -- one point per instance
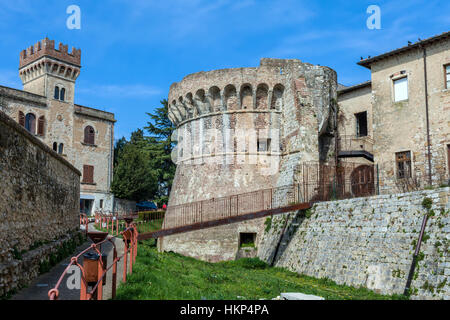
(170, 276)
(149, 226)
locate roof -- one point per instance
(24, 96)
(368, 62)
(341, 86)
(355, 87)
(96, 113)
(146, 204)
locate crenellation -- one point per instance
(46, 47)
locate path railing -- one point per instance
(114, 223)
(317, 183)
(93, 268)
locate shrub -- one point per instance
(427, 203)
(251, 263)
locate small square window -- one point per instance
(264, 145)
(447, 76)
(401, 89)
(247, 240)
(448, 157)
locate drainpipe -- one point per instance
(110, 165)
(336, 132)
(416, 255)
(430, 181)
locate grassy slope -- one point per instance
(149, 226)
(170, 276)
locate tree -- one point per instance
(143, 167)
(134, 177)
(118, 147)
(159, 149)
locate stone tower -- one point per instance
(44, 68)
(242, 130)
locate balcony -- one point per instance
(355, 147)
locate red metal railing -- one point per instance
(144, 221)
(318, 183)
(130, 235)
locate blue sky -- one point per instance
(132, 51)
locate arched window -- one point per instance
(62, 95)
(21, 119)
(246, 97)
(56, 93)
(61, 148)
(55, 146)
(89, 135)
(277, 97)
(30, 123)
(41, 126)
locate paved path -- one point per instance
(38, 289)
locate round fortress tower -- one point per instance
(242, 130)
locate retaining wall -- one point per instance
(368, 242)
(39, 204)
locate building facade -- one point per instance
(402, 116)
(46, 108)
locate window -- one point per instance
(60, 93)
(61, 148)
(403, 160)
(30, 123)
(264, 145)
(247, 240)
(448, 158)
(361, 124)
(41, 125)
(55, 146)
(21, 119)
(101, 203)
(401, 89)
(89, 135)
(447, 76)
(56, 96)
(88, 174)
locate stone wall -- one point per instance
(368, 242)
(39, 204)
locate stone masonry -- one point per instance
(287, 104)
(39, 204)
(368, 242)
(49, 76)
